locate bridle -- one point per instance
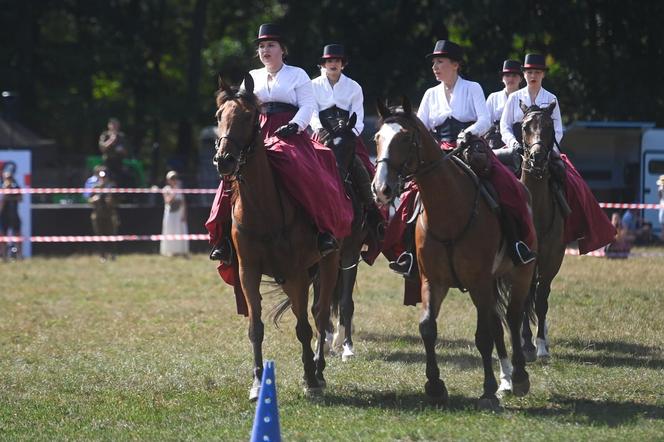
(414, 156)
(531, 165)
(245, 150)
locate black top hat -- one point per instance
(535, 61)
(269, 31)
(511, 67)
(446, 48)
(333, 51)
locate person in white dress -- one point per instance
(511, 78)
(175, 218)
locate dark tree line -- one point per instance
(153, 63)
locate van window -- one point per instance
(656, 167)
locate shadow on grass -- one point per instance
(596, 412)
(403, 401)
(462, 361)
(612, 354)
(414, 340)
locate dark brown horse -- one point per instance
(342, 141)
(538, 142)
(459, 244)
(270, 235)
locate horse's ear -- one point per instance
(406, 106)
(523, 107)
(549, 109)
(382, 109)
(248, 84)
(224, 86)
(352, 121)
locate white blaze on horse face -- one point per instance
(386, 135)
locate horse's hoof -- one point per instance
(530, 355)
(522, 388)
(313, 392)
(542, 349)
(505, 387)
(254, 391)
(490, 403)
(322, 383)
(437, 392)
(347, 353)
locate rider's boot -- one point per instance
(519, 250)
(405, 264)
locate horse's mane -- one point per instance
(398, 113)
(222, 96)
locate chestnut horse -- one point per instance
(538, 142)
(342, 141)
(270, 235)
(459, 243)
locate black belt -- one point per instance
(450, 129)
(275, 107)
(334, 113)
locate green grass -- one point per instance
(151, 348)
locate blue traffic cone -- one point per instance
(266, 423)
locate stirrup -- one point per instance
(524, 253)
(403, 264)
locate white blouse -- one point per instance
(290, 85)
(346, 95)
(513, 113)
(466, 104)
(495, 104)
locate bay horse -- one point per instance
(342, 141)
(270, 235)
(459, 243)
(538, 142)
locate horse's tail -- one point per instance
(281, 307)
(503, 290)
(532, 298)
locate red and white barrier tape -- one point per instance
(49, 190)
(106, 238)
(53, 190)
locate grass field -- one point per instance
(151, 348)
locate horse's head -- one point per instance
(397, 150)
(341, 140)
(538, 138)
(237, 125)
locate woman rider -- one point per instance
(586, 222)
(337, 98)
(307, 171)
(451, 110)
(511, 78)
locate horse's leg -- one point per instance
(328, 271)
(250, 281)
(327, 343)
(484, 300)
(520, 291)
(432, 298)
(347, 307)
(505, 365)
(297, 289)
(529, 352)
(542, 308)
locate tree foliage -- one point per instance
(154, 63)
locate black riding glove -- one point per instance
(287, 130)
(463, 138)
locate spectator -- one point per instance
(175, 218)
(113, 148)
(620, 247)
(92, 180)
(10, 222)
(104, 215)
(630, 222)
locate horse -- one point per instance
(270, 235)
(548, 217)
(342, 141)
(459, 244)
